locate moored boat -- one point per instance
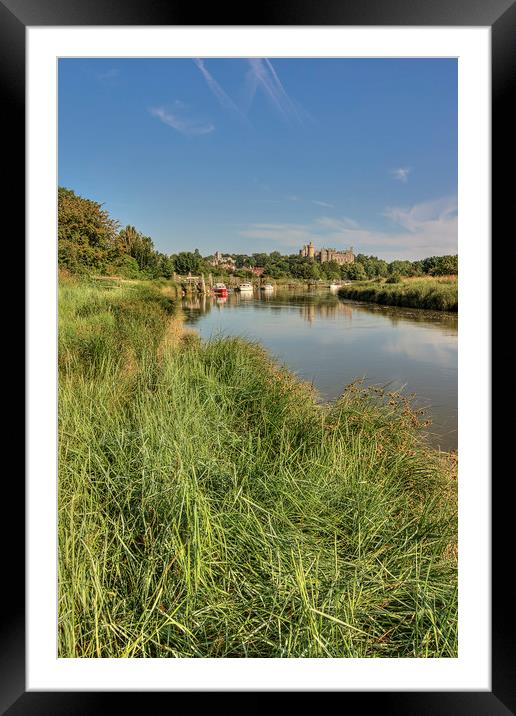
(267, 287)
(245, 287)
(220, 289)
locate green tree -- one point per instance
(126, 266)
(403, 268)
(441, 265)
(260, 259)
(330, 270)
(187, 262)
(138, 246)
(354, 271)
(87, 235)
(166, 266)
(243, 261)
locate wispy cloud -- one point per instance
(186, 125)
(293, 197)
(401, 174)
(287, 234)
(337, 224)
(434, 221)
(425, 229)
(263, 75)
(323, 203)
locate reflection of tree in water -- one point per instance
(311, 304)
(324, 309)
(318, 305)
(307, 312)
(326, 299)
(196, 306)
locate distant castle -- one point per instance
(340, 257)
(223, 260)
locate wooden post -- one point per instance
(210, 279)
(203, 284)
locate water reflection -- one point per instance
(310, 305)
(331, 342)
(312, 310)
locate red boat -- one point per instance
(220, 289)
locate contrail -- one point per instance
(217, 90)
(263, 74)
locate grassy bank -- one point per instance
(209, 507)
(437, 294)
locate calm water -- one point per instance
(331, 342)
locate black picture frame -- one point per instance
(500, 16)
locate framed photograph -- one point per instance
(259, 444)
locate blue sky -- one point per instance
(248, 155)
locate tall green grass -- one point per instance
(210, 507)
(437, 294)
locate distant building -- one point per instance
(308, 251)
(324, 255)
(223, 260)
(257, 270)
(340, 257)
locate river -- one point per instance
(331, 342)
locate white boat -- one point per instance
(334, 286)
(267, 287)
(245, 287)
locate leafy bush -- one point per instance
(394, 278)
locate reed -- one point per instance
(436, 294)
(209, 506)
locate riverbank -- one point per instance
(330, 342)
(433, 293)
(209, 506)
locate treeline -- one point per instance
(364, 267)
(91, 241)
